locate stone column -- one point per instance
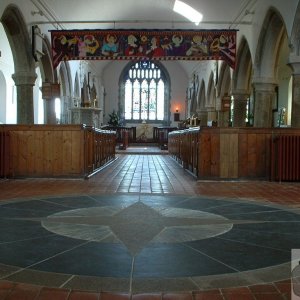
(295, 118)
(50, 91)
(49, 113)
(240, 99)
(223, 118)
(24, 82)
(65, 102)
(265, 96)
(211, 114)
(202, 115)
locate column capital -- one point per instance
(24, 78)
(264, 86)
(240, 95)
(294, 63)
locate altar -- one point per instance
(144, 132)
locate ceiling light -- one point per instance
(187, 11)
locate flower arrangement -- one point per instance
(113, 119)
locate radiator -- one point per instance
(287, 158)
(4, 154)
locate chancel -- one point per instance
(149, 150)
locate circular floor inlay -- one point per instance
(145, 236)
(137, 225)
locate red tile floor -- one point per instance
(154, 174)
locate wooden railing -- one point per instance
(127, 135)
(55, 150)
(121, 132)
(4, 150)
(183, 146)
(236, 153)
(99, 148)
(160, 136)
(286, 158)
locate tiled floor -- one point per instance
(149, 183)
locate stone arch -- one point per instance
(211, 99)
(201, 96)
(241, 78)
(48, 73)
(224, 82)
(194, 97)
(295, 34)
(224, 90)
(211, 92)
(294, 62)
(265, 67)
(268, 46)
(241, 85)
(76, 94)
(64, 79)
(2, 98)
(24, 76)
(201, 110)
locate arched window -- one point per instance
(145, 92)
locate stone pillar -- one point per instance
(24, 82)
(211, 114)
(265, 97)
(223, 118)
(240, 99)
(65, 102)
(202, 115)
(50, 91)
(49, 113)
(295, 118)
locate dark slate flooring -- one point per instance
(144, 240)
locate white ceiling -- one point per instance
(142, 14)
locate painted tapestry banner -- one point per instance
(143, 44)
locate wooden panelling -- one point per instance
(54, 150)
(251, 155)
(242, 152)
(205, 154)
(230, 153)
(215, 153)
(4, 150)
(286, 158)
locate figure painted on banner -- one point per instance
(91, 44)
(69, 45)
(221, 43)
(199, 46)
(143, 45)
(227, 47)
(131, 45)
(81, 48)
(68, 41)
(215, 45)
(155, 49)
(110, 47)
(62, 48)
(166, 45)
(140, 51)
(59, 50)
(178, 49)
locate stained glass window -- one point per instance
(144, 92)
